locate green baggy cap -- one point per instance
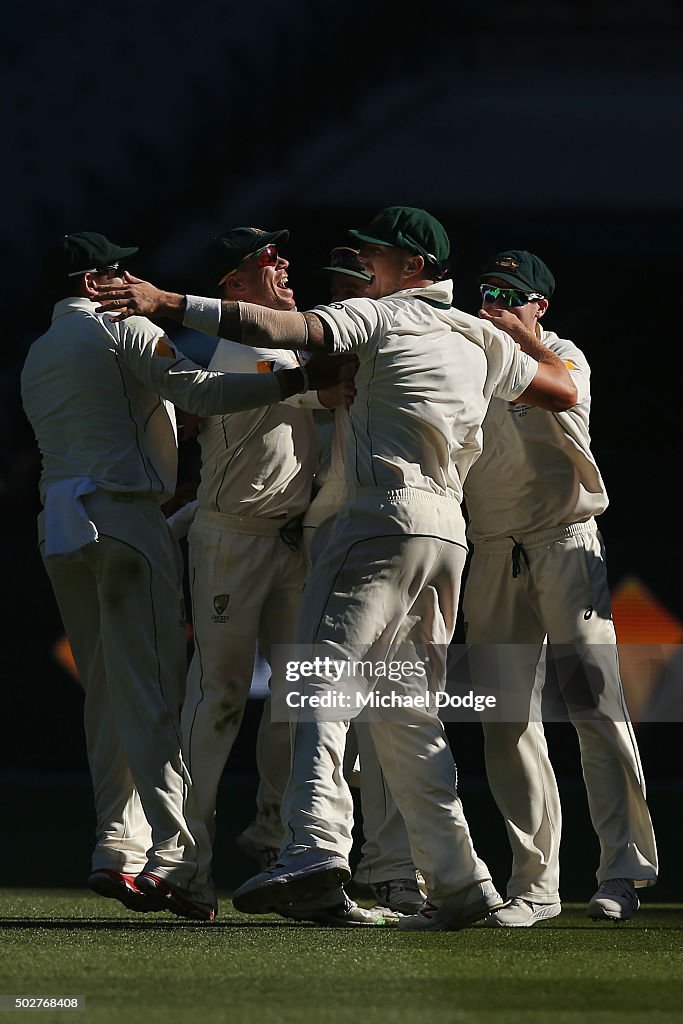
(522, 270)
(407, 227)
(82, 252)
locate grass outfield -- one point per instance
(157, 968)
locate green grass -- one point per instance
(135, 969)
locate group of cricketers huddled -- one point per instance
(356, 458)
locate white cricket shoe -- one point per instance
(455, 912)
(400, 894)
(304, 875)
(519, 913)
(615, 900)
(336, 910)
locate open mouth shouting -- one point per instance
(280, 286)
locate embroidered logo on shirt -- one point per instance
(265, 365)
(519, 409)
(220, 603)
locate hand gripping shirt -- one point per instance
(427, 373)
(258, 462)
(537, 470)
(98, 396)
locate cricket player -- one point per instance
(385, 863)
(538, 575)
(385, 859)
(246, 560)
(98, 396)
(393, 564)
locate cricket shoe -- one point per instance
(116, 885)
(305, 875)
(519, 913)
(336, 910)
(400, 894)
(180, 902)
(615, 900)
(454, 912)
(263, 856)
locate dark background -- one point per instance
(550, 126)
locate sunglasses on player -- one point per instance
(265, 257)
(507, 296)
(345, 258)
(111, 269)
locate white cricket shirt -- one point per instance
(98, 394)
(427, 373)
(260, 462)
(536, 471)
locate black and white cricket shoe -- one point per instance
(402, 895)
(452, 913)
(304, 875)
(334, 909)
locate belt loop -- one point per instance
(517, 551)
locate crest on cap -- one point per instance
(507, 263)
(520, 269)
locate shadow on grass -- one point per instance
(662, 919)
(117, 925)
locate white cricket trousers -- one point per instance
(557, 589)
(246, 588)
(385, 853)
(390, 570)
(120, 599)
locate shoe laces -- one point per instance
(407, 884)
(385, 889)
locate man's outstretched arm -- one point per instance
(238, 321)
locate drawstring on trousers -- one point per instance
(518, 552)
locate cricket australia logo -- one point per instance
(507, 263)
(220, 603)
